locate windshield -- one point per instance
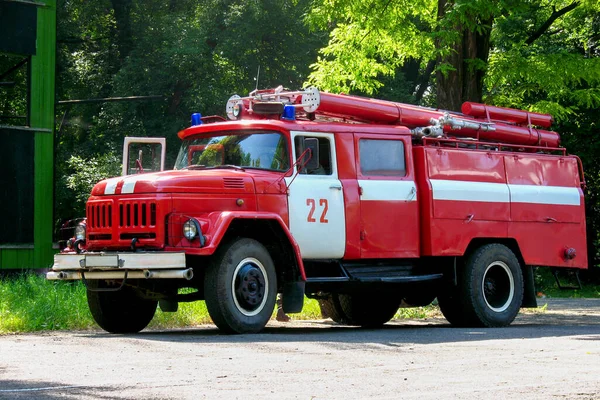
(257, 149)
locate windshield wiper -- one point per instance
(226, 166)
(193, 166)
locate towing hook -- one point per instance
(133, 243)
(76, 245)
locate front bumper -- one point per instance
(155, 265)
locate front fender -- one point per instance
(214, 227)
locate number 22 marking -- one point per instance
(312, 203)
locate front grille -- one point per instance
(113, 223)
(101, 237)
(133, 214)
(129, 236)
(99, 215)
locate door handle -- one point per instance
(412, 194)
(336, 186)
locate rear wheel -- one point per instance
(367, 309)
(122, 311)
(241, 287)
(331, 308)
(489, 291)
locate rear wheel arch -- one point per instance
(511, 243)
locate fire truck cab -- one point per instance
(365, 204)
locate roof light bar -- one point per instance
(309, 99)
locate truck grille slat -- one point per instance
(134, 214)
(99, 216)
(130, 218)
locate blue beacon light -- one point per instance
(289, 112)
(196, 119)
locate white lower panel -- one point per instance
(317, 216)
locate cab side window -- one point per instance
(324, 167)
(382, 157)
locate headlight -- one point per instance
(190, 229)
(80, 232)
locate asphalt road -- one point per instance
(544, 355)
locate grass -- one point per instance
(30, 303)
(547, 287)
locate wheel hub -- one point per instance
(249, 287)
(498, 286)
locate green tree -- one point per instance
(462, 50)
(193, 54)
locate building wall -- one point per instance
(39, 254)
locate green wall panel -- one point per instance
(42, 116)
(16, 258)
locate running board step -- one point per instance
(379, 272)
(403, 279)
(375, 279)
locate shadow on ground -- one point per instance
(560, 317)
(10, 389)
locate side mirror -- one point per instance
(311, 159)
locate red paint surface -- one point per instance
(390, 229)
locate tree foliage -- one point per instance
(509, 52)
(193, 54)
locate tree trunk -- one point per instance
(122, 10)
(464, 82)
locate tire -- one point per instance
(331, 308)
(241, 287)
(420, 299)
(369, 310)
(123, 311)
(452, 308)
(489, 292)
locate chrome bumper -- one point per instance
(120, 266)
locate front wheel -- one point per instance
(122, 311)
(489, 292)
(241, 287)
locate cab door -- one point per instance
(316, 202)
(389, 213)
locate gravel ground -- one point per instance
(551, 354)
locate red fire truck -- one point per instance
(367, 205)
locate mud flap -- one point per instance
(529, 299)
(293, 297)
